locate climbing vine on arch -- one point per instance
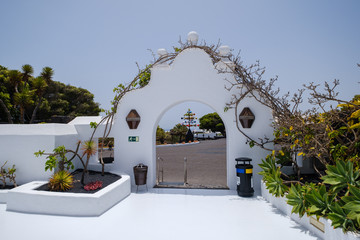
(297, 131)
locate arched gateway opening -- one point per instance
(197, 163)
(192, 76)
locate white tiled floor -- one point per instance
(161, 216)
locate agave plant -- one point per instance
(339, 218)
(61, 181)
(352, 204)
(272, 177)
(297, 200)
(341, 176)
(319, 199)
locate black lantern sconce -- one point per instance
(133, 119)
(246, 118)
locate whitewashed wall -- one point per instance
(170, 85)
(19, 142)
(84, 131)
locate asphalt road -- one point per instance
(206, 164)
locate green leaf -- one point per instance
(296, 199)
(93, 124)
(319, 200)
(355, 114)
(353, 206)
(341, 176)
(339, 217)
(354, 126)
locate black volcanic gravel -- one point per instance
(7, 187)
(91, 176)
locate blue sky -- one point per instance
(95, 44)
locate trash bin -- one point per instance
(140, 173)
(244, 177)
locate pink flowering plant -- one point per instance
(93, 186)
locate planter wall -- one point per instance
(26, 199)
(3, 195)
(328, 233)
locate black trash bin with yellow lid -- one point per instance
(244, 170)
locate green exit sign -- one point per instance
(133, 139)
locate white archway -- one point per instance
(192, 67)
(170, 107)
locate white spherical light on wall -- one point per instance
(162, 52)
(193, 37)
(224, 51)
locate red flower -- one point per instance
(93, 186)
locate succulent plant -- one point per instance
(61, 181)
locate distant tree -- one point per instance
(47, 73)
(39, 84)
(179, 131)
(23, 99)
(15, 79)
(213, 122)
(67, 100)
(28, 99)
(5, 99)
(160, 135)
(27, 71)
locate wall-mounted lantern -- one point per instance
(133, 119)
(246, 118)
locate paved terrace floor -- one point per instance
(161, 216)
(206, 163)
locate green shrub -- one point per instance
(296, 199)
(9, 174)
(338, 216)
(272, 177)
(319, 200)
(341, 176)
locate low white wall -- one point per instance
(26, 199)
(19, 150)
(19, 142)
(329, 232)
(3, 195)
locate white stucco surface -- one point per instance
(28, 200)
(191, 77)
(162, 217)
(50, 129)
(19, 142)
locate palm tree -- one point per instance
(3, 105)
(27, 71)
(23, 99)
(39, 85)
(47, 73)
(89, 149)
(179, 130)
(15, 79)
